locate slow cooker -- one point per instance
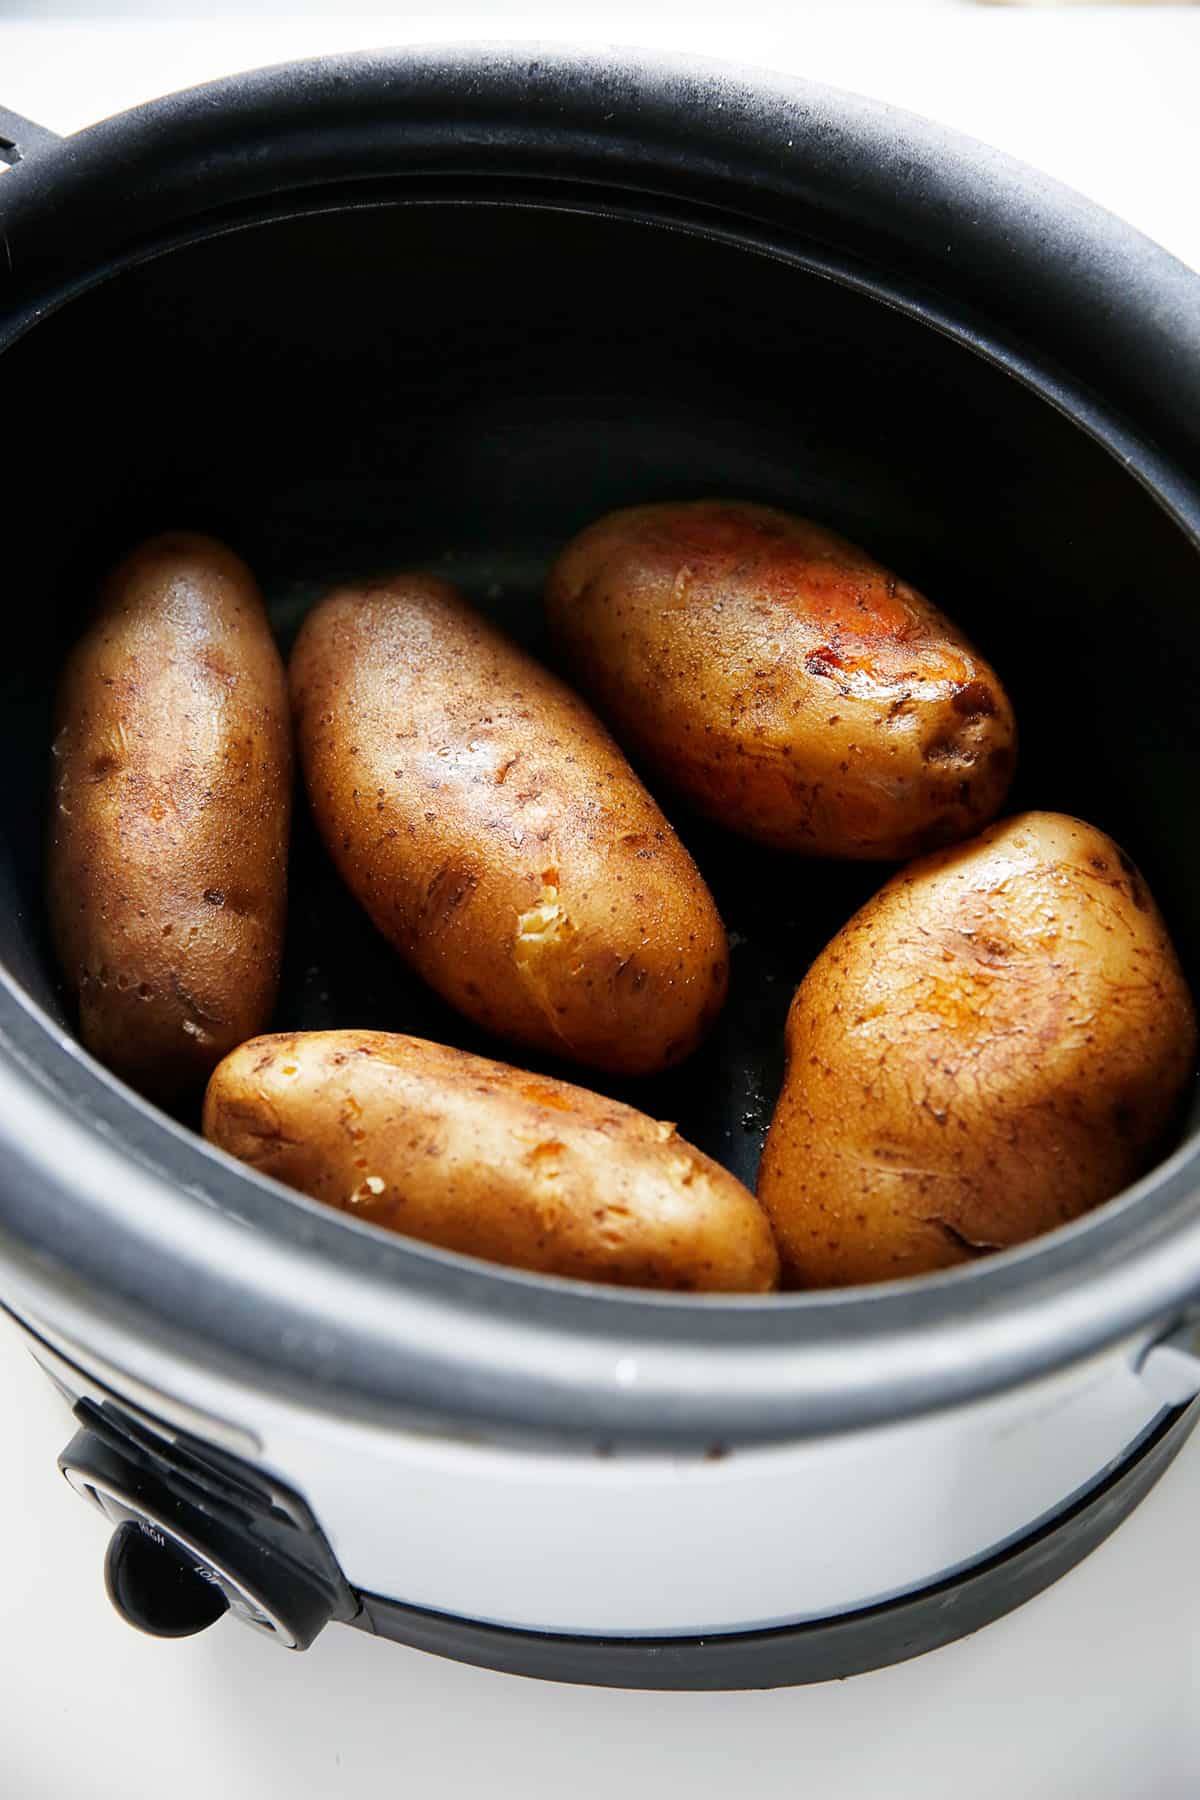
(441, 309)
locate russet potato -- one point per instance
(497, 836)
(167, 863)
(991, 1046)
(489, 1160)
(782, 680)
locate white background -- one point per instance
(1093, 1690)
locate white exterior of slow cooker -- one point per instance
(660, 1544)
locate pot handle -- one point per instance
(20, 138)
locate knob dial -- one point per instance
(192, 1542)
(155, 1585)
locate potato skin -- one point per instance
(496, 835)
(782, 680)
(994, 1044)
(489, 1160)
(167, 863)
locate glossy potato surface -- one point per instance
(167, 863)
(489, 1160)
(994, 1044)
(497, 836)
(782, 680)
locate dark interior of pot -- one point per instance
(461, 387)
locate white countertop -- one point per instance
(1093, 1690)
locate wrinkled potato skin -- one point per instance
(167, 863)
(496, 835)
(782, 680)
(994, 1044)
(488, 1160)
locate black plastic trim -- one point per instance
(21, 138)
(275, 1553)
(827, 1650)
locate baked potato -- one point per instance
(167, 862)
(782, 681)
(496, 835)
(995, 1043)
(478, 1157)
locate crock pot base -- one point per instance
(823, 1649)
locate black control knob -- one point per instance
(154, 1585)
(198, 1536)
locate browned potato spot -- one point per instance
(496, 835)
(995, 1043)
(488, 1160)
(169, 825)
(782, 680)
